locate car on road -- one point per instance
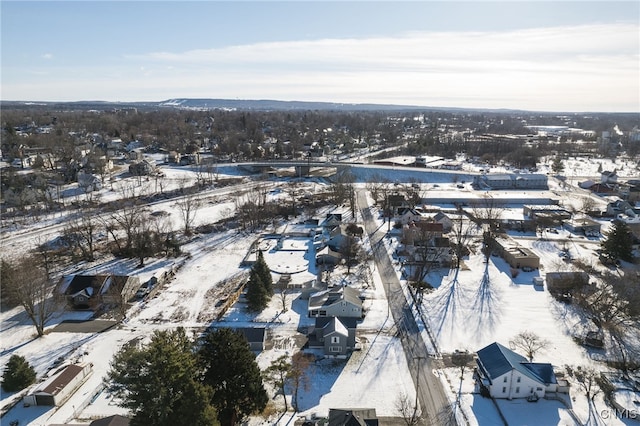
(142, 292)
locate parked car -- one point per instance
(142, 292)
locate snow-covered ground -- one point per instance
(465, 313)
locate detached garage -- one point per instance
(59, 388)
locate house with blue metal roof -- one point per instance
(502, 373)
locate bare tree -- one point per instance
(147, 239)
(27, 283)
(46, 257)
(588, 204)
(128, 219)
(488, 211)
(188, 206)
(588, 379)
(461, 232)
(251, 206)
(299, 375)
(342, 189)
(612, 300)
(429, 251)
(293, 192)
(81, 234)
(376, 186)
(411, 192)
(530, 343)
(408, 410)
(283, 294)
(461, 359)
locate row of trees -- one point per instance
(174, 381)
(213, 380)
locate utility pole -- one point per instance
(418, 359)
(388, 212)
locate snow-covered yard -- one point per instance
(483, 303)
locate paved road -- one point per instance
(431, 395)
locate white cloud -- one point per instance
(591, 67)
(47, 56)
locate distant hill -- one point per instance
(265, 105)
(236, 104)
(273, 105)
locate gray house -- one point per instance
(335, 302)
(336, 335)
(510, 181)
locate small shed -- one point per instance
(59, 388)
(561, 282)
(255, 336)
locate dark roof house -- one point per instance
(255, 337)
(115, 420)
(505, 374)
(353, 417)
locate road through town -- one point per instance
(436, 409)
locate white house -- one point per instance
(502, 373)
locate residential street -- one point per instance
(429, 389)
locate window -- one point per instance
(335, 339)
(517, 389)
(335, 349)
(505, 379)
(518, 379)
(538, 389)
(504, 390)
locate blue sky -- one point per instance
(552, 56)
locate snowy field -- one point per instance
(462, 313)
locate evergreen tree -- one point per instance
(264, 272)
(557, 166)
(619, 242)
(18, 374)
(159, 382)
(231, 370)
(257, 297)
